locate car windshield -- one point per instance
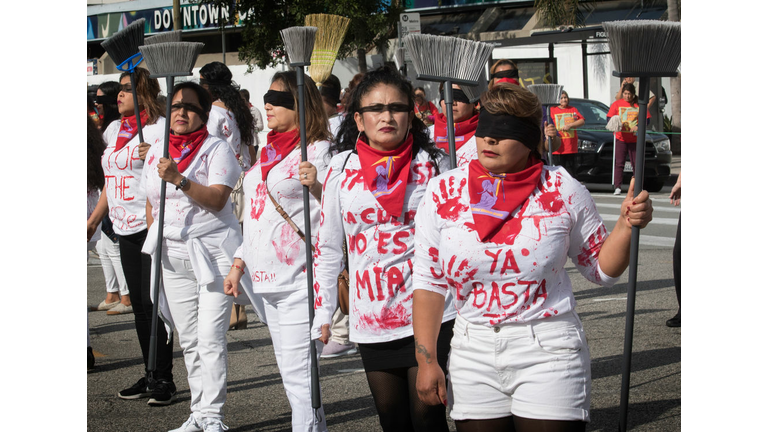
(594, 113)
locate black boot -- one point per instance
(674, 321)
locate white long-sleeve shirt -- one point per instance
(380, 252)
(465, 153)
(275, 256)
(221, 123)
(522, 277)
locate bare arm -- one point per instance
(427, 315)
(101, 210)
(213, 197)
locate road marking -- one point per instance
(655, 221)
(351, 370)
(610, 299)
(655, 208)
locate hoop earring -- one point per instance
(358, 137)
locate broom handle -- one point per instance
(136, 109)
(308, 239)
(633, 254)
(152, 357)
(549, 142)
(448, 97)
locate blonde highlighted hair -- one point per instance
(315, 117)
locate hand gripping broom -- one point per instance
(331, 30)
(450, 61)
(299, 42)
(548, 94)
(123, 49)
(643, 49)
(169, 60)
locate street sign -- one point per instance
(410, 23)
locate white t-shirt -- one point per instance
(221, 123)
(274, 254)
(122, 177)
(380, 252)
(465, 153)
(214, 164)
(93, 199)
(522, 279)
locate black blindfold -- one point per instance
(504, 126)
(106, 100)
(280, 98)
(458, 96)
(507, 74)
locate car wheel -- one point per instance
(653, 185)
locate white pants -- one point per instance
(539, 370)
(288, 318)
(201, 316)
(340, 328)
(109, 254)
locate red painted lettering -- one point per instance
(122, 154)
(495, 258)
(509, 293)
(360, 243)
(395, 281)
(364, 215)
(527, 291)
(379, 290)
(541, 292)
(350, 219)
(477, 289)
(363, 283)
(383, 240)
(398, 241)
(494, 295)
(510, 263)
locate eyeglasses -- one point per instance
(380, 108)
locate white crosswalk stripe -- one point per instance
(655, 221)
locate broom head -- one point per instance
(123, 46)
(171, 58)
(299, 42)
(331, 30)
(444, 58)
(644, 48)
(171, 36)
(400, 58)
(474, 92)
(548, 94)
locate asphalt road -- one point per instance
(256, 400)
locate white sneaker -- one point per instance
(214, 425)
(191, 425)
(617, 191)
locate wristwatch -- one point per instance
(183, 183)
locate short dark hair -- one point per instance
(246, 94)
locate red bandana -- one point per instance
(128, 129)
(386, 173)
(464, 131)
(183, 148)
(279, 144)
(507, 80)
(486, 188)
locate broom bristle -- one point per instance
(299, 42)
(447, 57)
(331, 30)
(474, 92)
(399, 58)
(125, 43)
(548, 94)
(171, 36)
(171, 58)
(645, 46)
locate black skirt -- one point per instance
(401, 353)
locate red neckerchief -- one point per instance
(464, 131)
(129, 128)
(279, 144)
(183, 148)
(493, 197)
(386, 173)
(507, 80)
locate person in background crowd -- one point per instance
(272, 252)
(464, 124)
(330, 90)
(566, 119)
(230, 118)
(504, 71)
(123, 198)
(674, 198)
(519, 360)
(95, 181)
(200, 235)
(106, 104)
(374, 185)
(636, 84)
(626, 140)
(258, 121)
(347, 93)
(425, 110)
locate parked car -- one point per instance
(595, 158)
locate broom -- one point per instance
(331, 30)
(447, 60)
(400, 61)
(123, 49)
(643, 49)
(474, 92)
(171, 36)
(169, 60)
(299, 42)
(548, 94)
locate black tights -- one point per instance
(519, 424)
(676, 264)
(398, 404)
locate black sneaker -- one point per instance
(91, 359)
(163, 394)
(674, 321)
(136, 391)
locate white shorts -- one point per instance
(539, 370)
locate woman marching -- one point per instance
(626, 140)
(373, 187)
(566, 119)
(122, 197)
(497, 236)
(200, 237)
(464, 123)
(273, 253)
(504, 71)
(230, 118)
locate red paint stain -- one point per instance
(448, 205)
(351, 178)
(388, 319)
(288, 249)
(257, 203)
(525, 252)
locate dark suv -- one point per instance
(595, 158)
